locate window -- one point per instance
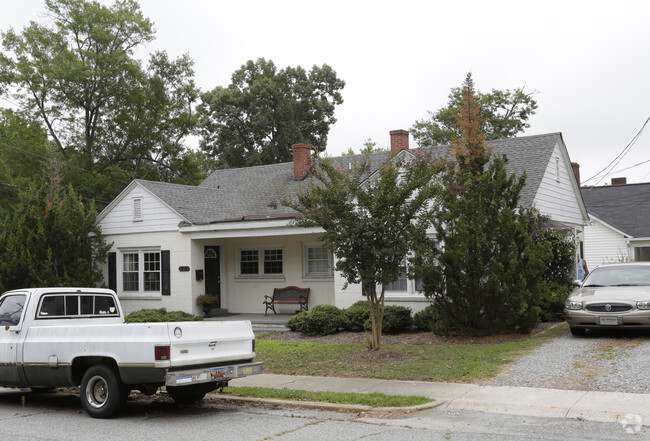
(401, 283)
(141, 271)
(77, 305)
(262, 261)
(405, 285)
(11, 308)
(317, 260)
(152, 271)
(642, 254)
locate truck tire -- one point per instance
(101, 392)
(190, 394)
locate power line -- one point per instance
(620, 156)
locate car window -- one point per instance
(619, 276)
(11, 307)
(76, 305)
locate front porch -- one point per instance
(260, 322)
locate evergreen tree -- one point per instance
(483, 270)
(50, 239)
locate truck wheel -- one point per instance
(190, 394)
(101, 392)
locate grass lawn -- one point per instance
(448, 362)
(374, 399)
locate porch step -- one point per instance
(268, 327)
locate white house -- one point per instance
(228, 236)
(620, 223)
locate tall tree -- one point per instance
(24, 156)
(264, 111)
(483, 270)
(102, 110)
(50, 239)
(505, 114)
(369, 219)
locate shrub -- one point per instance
(320, 320)
(424, 320)
(396, 319)
(552, 301)
(160, 315)
(358, 314)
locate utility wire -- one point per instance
(620, 156)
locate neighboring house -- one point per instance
(229, 236)
(620, 223)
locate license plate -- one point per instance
(218, 372)
(246, 370)
(609, 321)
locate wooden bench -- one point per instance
(289, 295)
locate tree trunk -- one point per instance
(376, 315)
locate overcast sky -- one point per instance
(587, 60)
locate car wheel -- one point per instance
(102, 392)
(577, 331)
(190, 394)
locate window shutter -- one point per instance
(112, 271)
(165, 273)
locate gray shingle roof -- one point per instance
(624, 207)
(250, 193)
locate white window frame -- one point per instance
(141, 270)
(260, 261)
(306, 246)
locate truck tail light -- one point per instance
(162, 353)
(253, 345)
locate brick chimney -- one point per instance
(399, 140)
(619, 181)
(301, 161)
(576, 172)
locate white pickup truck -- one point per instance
(58, 337)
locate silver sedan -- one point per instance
(612, 296)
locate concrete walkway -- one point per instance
(593, 406)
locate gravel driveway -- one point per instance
(609, 362)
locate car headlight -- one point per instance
(573, 305)
(643, 305)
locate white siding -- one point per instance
(156, 216)
(557, 196)
(245, 295)
(181, 297)
(604, 245)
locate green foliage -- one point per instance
(50, 239)
(358, 315)
(160, 315)
(424, 320)
(24, 154)
(257, 118)
(484, 270)
(506, 113)
(374, 399)
(319, 320)
(368, 222)
(561, 265)
(396, 319)
(103, 111)
(551, 301)
(369, 146)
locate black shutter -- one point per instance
(112, 271)
(165, 273)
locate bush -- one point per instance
(396, 319)
(552, 301)
(160, 315)
(320, 320)
(358, 314)
(424, 320)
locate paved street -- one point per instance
(28, 416)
